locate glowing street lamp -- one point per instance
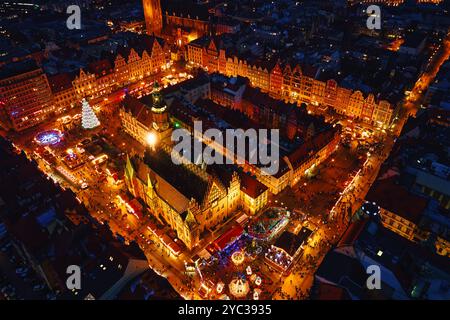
(151, 139)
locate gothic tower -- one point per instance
(159, 110)
(160, 117)
(153, 16)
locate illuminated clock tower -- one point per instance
(153, 16)
(160, 122)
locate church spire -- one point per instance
(129, 170)
(158, 104)
(159, 110)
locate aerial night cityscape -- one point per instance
(240, 150)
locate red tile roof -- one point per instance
(61, 81)
(250, 186)
(101, 67)
(139, 110)
(299, 156)
(392, 196)
(228, 237)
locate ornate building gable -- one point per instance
(82, 77)
(297, 72)
(235, 181)
(287, 71)
(156, 49)
(276, 79)
(234, 190)
(129, 175)
(368, 107)
(190, 220)
(287, 79)
(212, 48)
(277, 68)
(357, 95)
(384, 105)
(152, 186)
(215, 191)
(332, 85)
(165, 48)
(133, 56)
(145, 56)
(189, 217)
(223, 54)
(119, 62)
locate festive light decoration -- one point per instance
(271, 222)
(256, 294)
(279, 257)
(237, 257)
(219, 287)
(249, 270)
(370, 208)
(151, 139)
(88, 118)
(49, 137)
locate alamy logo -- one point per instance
(74, 20)
(374, 280)
(262, 149)
(374, 19)
(74, 280)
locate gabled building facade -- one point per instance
(292, 83)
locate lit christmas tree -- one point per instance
(88, 118)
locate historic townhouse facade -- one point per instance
(130, 64)
(93, 85)
(291, 83)
(64, 95)
(136, 119)
(31, 96)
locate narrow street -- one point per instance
(24, 290)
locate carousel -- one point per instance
(238, 257)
